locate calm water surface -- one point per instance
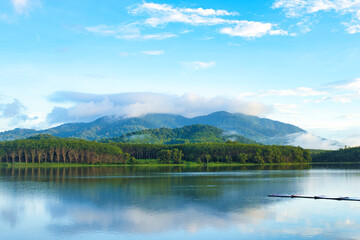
(177, 203)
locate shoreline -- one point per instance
(186, 164)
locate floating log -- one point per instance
(314, 197)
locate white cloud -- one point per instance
(88, 107)
(154, 52)
(149, 52)
(159, 36)
(127, 32)
(313, 109)
(160, 15)
(186, 31)
(348, 134)
(199, 65)
(20, 5)
(209, 12)
(251, 29)
(344, 98)
(106, 30)
(300, 91)
(344, 91)
(310, 141)
(23, 6)
(13, 110)
(296, 92)
(300, 8)
(14, 113)
(352, 28)
(352, 86)
(286, 108)
(353, 139)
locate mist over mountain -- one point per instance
(261, 130)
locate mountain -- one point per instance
(258, 129)
(17, 133)
(188, 134)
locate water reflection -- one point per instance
(134, 203)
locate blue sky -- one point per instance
(288, 60)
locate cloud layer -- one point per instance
(311, 141)
(13, 110)
(300, 8)
(153, 52)
(88, 107)
(20, 5)
(160, 15)
(199, 65)
(127, 32)
(24, 6)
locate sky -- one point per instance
(295, 61)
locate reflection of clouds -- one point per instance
(304, 231)
(9, 212)
(15, 210)
(137, 220)
(297, 219)
(10, 215)
(290, 221)
(239, 207)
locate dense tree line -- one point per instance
(221, 152)
(166, 156)
(51, 149)
(46, 148)
(341, 155)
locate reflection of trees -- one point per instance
(133, 199)
(152, 200)
(158, 188)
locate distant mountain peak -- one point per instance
(221, 113)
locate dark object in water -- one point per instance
(315, 197)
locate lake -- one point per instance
(178, 203)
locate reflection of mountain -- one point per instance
(133, 203)
(148, 200)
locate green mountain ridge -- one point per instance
(258, 129)
(189, 134)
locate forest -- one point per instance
(46, 148)
(340, 156)
(196, 133)
(230, 152)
